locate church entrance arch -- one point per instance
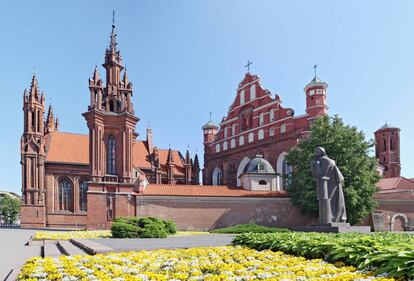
(283, 169)
(241, 167)
(399, 222)
(217, 176)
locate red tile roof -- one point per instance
(206, 191)
(74, 149)
(398, 183)
(68, 148)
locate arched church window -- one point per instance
(272, 132)
(83, 199)
(225, 145)
(65, 195)
(261, 119)
(252, 92)
(283, 128)
(251, 137)
(233, 129)
(392, 143)
(111, 106)
(241, 140)
(385, 145)
(271, 115)
(242, 97)
(286, 173)
(261, 134)
(111, 163)
(233, 143)
(217, 147)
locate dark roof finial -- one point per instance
(113, 18)
(315, 68)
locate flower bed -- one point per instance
(390, 253)
(214, 263)
(67, 235)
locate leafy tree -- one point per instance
(348, 147)
(9, 209)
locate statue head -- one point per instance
(319, 152)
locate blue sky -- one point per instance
(185, 58)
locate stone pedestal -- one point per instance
(333, 228)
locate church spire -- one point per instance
(34, 90)
(50, 121)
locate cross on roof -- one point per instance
(314, 68)
(248, 65)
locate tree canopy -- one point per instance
(9, 209)
(348, 147)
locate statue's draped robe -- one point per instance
(326, 167)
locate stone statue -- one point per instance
(329, 182)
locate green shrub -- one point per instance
(170, 227)
(121, 229)
(146, 227)
(246, 228)
(153, 230)
(391, 253)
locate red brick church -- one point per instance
(75, 180)
(257, 123)
(85, 181)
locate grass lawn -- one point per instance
(246, 228)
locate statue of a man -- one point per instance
(329, 182)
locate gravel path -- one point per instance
(13, 252)
(171, 242)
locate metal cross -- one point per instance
(210, 115)
(248, 65)
(113, 17)
(315, 67)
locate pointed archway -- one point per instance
(241, 167)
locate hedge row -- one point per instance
(146, 227)
(250, 227)
(391, 253)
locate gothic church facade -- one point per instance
(75, 180)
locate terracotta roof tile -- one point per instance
(399, 183)
(141, 155)
(179, 167)
(74, 149)
(206, 191)
(68, 148)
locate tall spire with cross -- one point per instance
(249, 63)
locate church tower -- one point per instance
(316, 104)
(387, 150)
(111, 122)
(32, 149)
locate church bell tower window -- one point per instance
(111, 167)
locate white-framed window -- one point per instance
(233, 129)
(217, 147)
(283, 128)
(252, 92)
(251, 137)
(271, 115)
(261, 119)
(242, 97)
(225, 145)
(232, 143)
(241, 140)
(272, 132)
(225, 132)
(260, 134)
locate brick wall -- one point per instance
(204, 213)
